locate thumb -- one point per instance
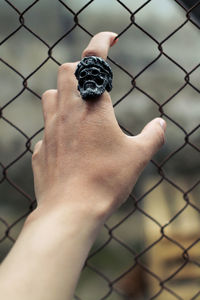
(152, 137)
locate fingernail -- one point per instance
(163, 124)
(116, 39)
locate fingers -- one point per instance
(67, 97)
(67, 83)
(151, 138)
(100, 44)
(49, 104)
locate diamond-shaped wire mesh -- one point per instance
(150, 248)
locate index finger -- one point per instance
(100, 44)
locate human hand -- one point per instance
(84, 168)
(84, 152)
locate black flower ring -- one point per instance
(94, 76)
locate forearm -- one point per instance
(46, 261)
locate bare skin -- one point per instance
(84, 169)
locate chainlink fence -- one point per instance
(150, 248)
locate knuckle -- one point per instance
(61, 118)
(34, 157)
(66, 67)
(36, 151)
(90, 52)
(37, 145)
(48, 93)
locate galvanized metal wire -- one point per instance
(113, 289)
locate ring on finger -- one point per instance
(94, 76)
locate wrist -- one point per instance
(81, 200)
(83, 208)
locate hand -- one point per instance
(84, 168)
(84, 151)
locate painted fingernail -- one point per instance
(116, 39)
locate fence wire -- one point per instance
(140, 253)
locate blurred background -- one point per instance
(151, 246)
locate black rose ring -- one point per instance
(94, 76)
